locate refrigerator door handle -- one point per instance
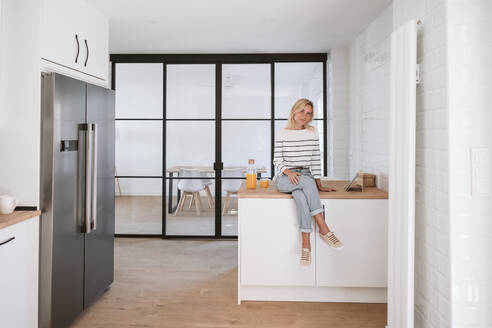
(88, 178)
(94, 176)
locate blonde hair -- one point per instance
(300, 104)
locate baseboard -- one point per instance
(314, 294)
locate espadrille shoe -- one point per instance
(305, 257)
(332, 240)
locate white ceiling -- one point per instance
(235, 26)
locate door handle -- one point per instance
(88, 178)
(87, 48)
(78, 48)
(94, 177)
(218, 166)
(7, 241)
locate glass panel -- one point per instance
(242, 140)
(138, 206)
(298, 80)
(138, 148)
(192, 210)
(318, 125)
(191, 153)
(246, 91)
(138, 91)
(229, 203)
(190, 143)
(190, 91)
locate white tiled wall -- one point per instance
(454, 144)
(469, 43)
(453, 232)
(369, 99)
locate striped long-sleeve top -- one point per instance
(297, 148)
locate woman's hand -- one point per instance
(321, 188)
(326, 189)
(293, 176)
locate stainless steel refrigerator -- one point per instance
(77, 197)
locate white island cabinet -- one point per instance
(362, 225)
(270, 248)
(74, 40)
(270, 244)
(19, 248)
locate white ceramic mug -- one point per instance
(7, 204)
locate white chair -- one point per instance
(207, 183)
(190, 187)
(231, 186)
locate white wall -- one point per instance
(469, 49)
(1, 45)
(369, 99)
(454, 139)
(453, 174)
(20, 100)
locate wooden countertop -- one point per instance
(339, 185)
(16, 217)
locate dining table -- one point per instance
(174, 170)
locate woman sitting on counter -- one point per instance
(298, 171)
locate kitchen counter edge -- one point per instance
(6, 220)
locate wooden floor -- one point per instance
(186, 283)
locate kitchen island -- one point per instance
(269, 247)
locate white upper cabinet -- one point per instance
(74, 36)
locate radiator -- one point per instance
(401, 226)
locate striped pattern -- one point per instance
(297, 148)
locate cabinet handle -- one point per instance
(7, 241)
(78, 48)
(87, 57)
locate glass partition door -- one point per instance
(185, 130)
(190, 150)
(246, 131)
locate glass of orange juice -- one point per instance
(264, 183)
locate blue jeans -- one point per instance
(305, 194)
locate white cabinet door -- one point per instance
(19, 274)
(75, 36)
(362, 226)
(270, 244)
(94, 43)
(60, 33)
